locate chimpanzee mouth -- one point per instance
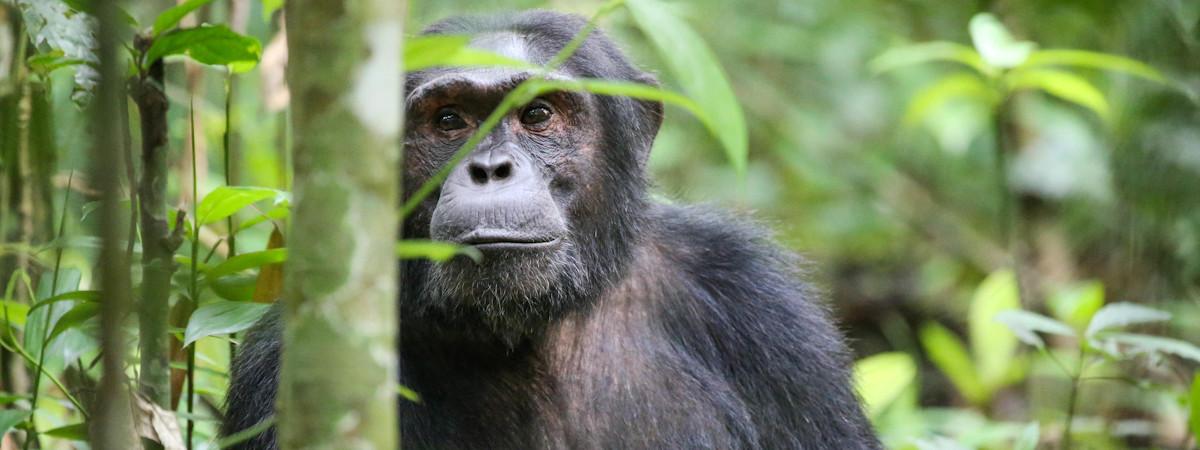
(496, 240)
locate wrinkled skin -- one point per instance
(596, 318)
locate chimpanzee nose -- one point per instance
(494, 166)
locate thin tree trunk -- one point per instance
(158, 242)
(111, 427)
(338, 381)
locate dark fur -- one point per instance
(672, 327)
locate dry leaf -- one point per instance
(269, 285)
(157, 424)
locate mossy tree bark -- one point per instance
(338, 381)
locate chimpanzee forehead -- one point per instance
(510, 45)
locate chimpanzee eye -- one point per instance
(447, 120)
(535, 114)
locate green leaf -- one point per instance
(74, 432)
(1076, 305)
(947, 352)
(171, 17)
(625, 89)
(9, 418)
(408, 394)
(957, 86)
(436, 251)
(1094, 60)
(87, 296)
(269, 7)
(280, 211)
(423, 52)
(47, 62)
(1028, 439)
(995, 44)
(238, 287)
(208, 44)
(881, 379)
(908, 55)
(1194, 417)
(75, 317)
(698, 72)
(246, 261)
(1067, 86)
(1143, 343)
(1025, 325)
(992, 344)
(222, 317)
(1122, 314)
(16, 312)
(56, 25)
(225, 201)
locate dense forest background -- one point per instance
(1000, 200)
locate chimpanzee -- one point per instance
(597, 318)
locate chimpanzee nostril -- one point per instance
(503, 170)
(478, 173)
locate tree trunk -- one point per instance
(111, 427)
(339, 374)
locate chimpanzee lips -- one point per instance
(492, 239)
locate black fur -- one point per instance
(678, 327)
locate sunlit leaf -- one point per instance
(1123, 314)
(1026, 325)
(408, 394)
(957, 86)
(247, 261)
(698, 72)
(208, 44)
(1077, 304)
(435, 251)
(423, 52)
(1094, 60)
(1067, 86)
(881, 378)
(225, 201)
(16, 312)
(222, 317)
(992, 344)
(947, 352)
(1143, 343)
(995, 44)
(171, 17)
(907, 55)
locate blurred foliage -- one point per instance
(869, 143)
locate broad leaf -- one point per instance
(13, 311)
(433, 250)
(74, 318)
(995, 44)
(1123, 314)
(957, 86)
(897, 57)
(1094, 60)
(237, 287)
(247, 261)
(208, 44)
(9, 418)
(1067, 86)
(424, 52)
(171, 17)
(47, 62)
(53, 25)
(947, 352)
(74, 432)
(992, 345)
(225, 201)
(268, 287)
(1026, 325)
(1143, 343)
(881, 378)
(87, 296)
(698, 72)
(222, 317)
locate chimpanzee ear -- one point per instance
(650, 115)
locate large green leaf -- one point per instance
(9, 418)
(53, 25)
(433, 250)
(225, 201)
(956, 86)
(995, 44)
(1143, 343)
(74, 432)
(1026, 326)
(907, 55)
(74, 318)
(246, 261)
(171, 17)
(1094, 60)
(208, 44)
(881, 378)
(698, 72)
(15, 312)
(1123, 314)
(423, 52)
(222, 317)
(947, 352)
(1067, 86)
(992, 344)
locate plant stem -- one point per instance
(1072, 400)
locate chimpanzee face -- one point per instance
(514, 196)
